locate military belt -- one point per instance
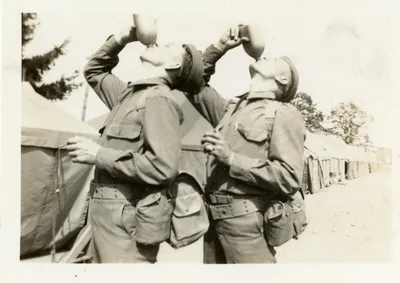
(235, 207)
(115, 191)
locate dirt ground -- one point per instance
(348, 223)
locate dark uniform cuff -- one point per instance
(212, 54)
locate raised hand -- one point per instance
(230, 39)
(126, 35)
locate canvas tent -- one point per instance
(54, 191)
(316, 162)
(332, 161)
(338, 157)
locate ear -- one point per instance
(172, 66)
(282, 79)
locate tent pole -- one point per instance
(85, 100)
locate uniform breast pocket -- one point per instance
(124, 131)
(255, 140)
(124, 136)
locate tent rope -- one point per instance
(56, 191)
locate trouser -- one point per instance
(112, 219)
(237, 239)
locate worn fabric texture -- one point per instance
(113, 225)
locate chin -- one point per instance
(252, 70)
(143, 57)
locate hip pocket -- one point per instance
(153, 218)
(278, 223)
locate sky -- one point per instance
(344, 51)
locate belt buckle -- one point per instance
(220, 199)
(224, 199)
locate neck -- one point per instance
(149, 71)
(260, 84)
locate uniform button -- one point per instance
(154, 196)
(187, 209)
(223, 212)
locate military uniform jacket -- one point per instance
(266, 136)
(141, 137)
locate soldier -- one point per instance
(255, 155)
(137, 154)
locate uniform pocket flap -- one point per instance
(149, 199)
(124, 131)
(184, 184)
(297, 206)
(187, 205)
(275, 210)
(253, 134)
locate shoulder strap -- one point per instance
(234, 101)
(270, 108)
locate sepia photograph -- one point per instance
(208, 139)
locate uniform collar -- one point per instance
(151, 81)
(262, 94)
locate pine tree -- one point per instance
(36, 66)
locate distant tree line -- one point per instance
(345, 120)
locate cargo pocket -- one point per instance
(153, 218)
(189, 221)
(278, 223)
